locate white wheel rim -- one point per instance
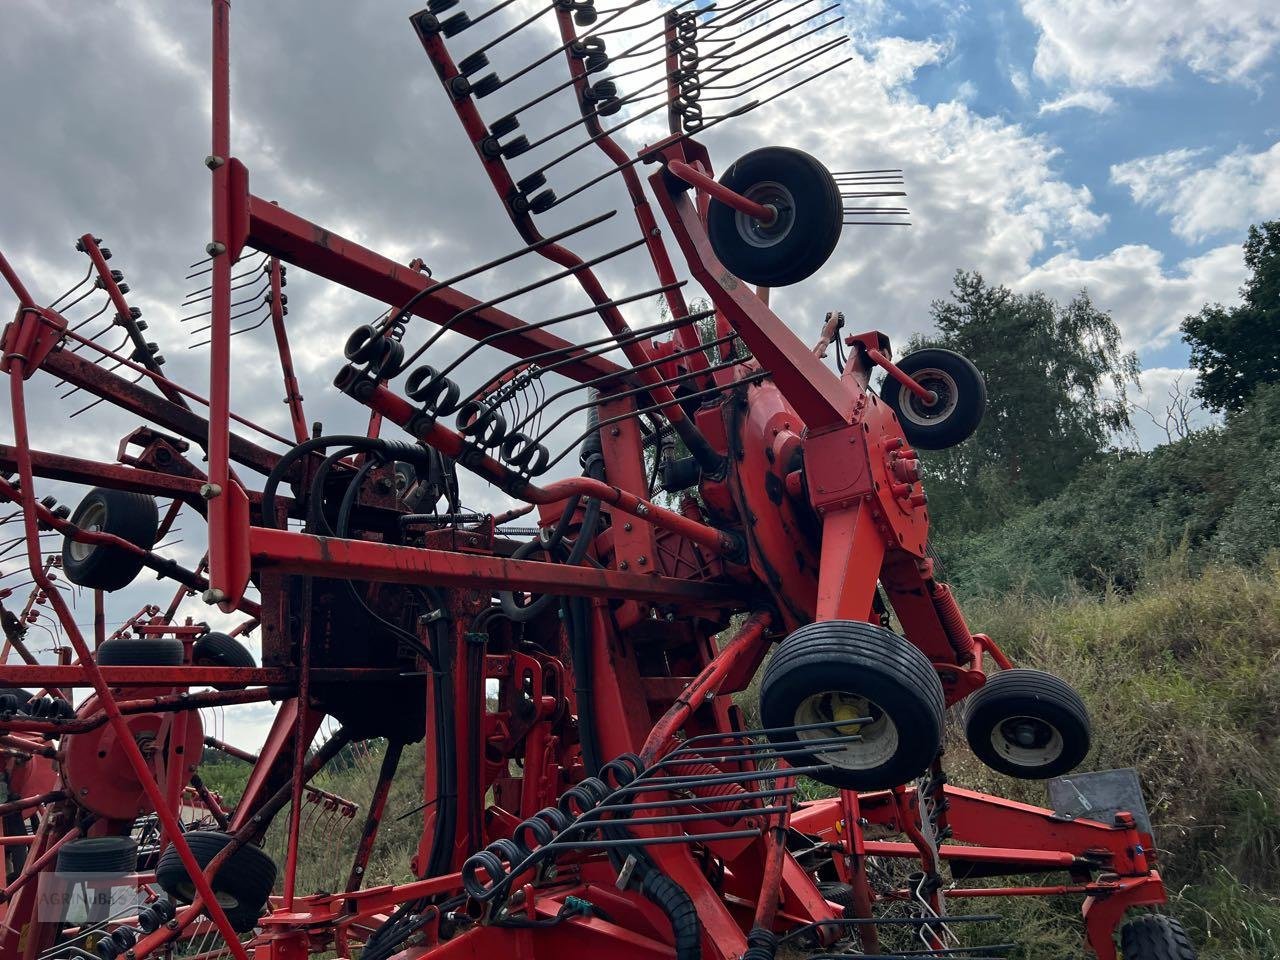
(91, 522)
(924, 414)
(762, 235)
(879, 743)
(1027, 741)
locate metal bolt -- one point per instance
(615, 432)
(627, 526)
(210, 490)
(213, 248)
(642, 509)
(624, 565)
(642, 560)
(213, 162)
(213, 595)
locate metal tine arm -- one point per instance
(587, 825)
(402, 314)
(718, 22)
(261, 265)
(542, 12)
(604, 132)
(626, 164)
(755, 104)
(622, 374)
(519, 291)
(83, 280)
(609, 341)
(589, 115)
(630, 53)
(752, 29)
(192, 303)
(718, 73)
(82, 296)
(680, 378)
(809, 746)
(752, 378)
(777, 72)
(93, 316)
(692, 742)
(560, 318)
(595, 31)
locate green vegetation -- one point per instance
(1236, 349)
(1182, 678)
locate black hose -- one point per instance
(666, 894)
(391, 449)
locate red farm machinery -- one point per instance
(688, 502)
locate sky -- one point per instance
(1054, 145)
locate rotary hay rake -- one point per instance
(590, 785)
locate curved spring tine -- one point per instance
(69, 292)
(519, 291)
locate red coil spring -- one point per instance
(944, 602)
(711, 791)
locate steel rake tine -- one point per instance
(763, 23)
(605, 378)
(595, 31)
(511, 32)
(519, 291)
(401, 315)
(87, 274)
(720, 72)
(574, 349)
(258, 267)
(756, 104)
(643, 157)
(775, 72)
(609, 343)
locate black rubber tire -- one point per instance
(244, 880)
(99, 855)
(962, 398)
(1055, 709)
(219, 650)
(129, 516)
(140, 652)
(837, 892)
(863, 660)
(808, 227)
(1154, 936)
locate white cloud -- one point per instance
(1147, 301)
(1136, 43)
(1227, 195)
(1094, 100)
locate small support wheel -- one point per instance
(140, 652)
(129, 516)
(1027, 724)
(242, 884)
(805, 228)
(219, 650)
(1154, 936)
(110, 855)
(844, 670)
(961, 398)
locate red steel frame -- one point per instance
(861, 481)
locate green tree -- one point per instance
(1056, 396)
(1236, 350)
